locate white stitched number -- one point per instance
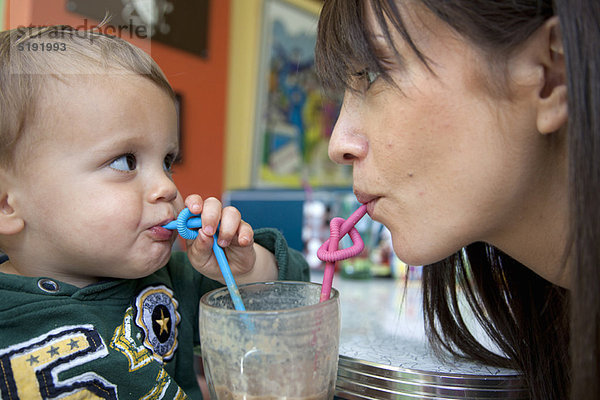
(30, 370)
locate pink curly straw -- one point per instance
(329, 252)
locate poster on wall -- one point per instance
(180, 24)
(294, 119)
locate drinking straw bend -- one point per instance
(329, 252)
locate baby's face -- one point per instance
(96, 185)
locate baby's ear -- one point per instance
(10, 221)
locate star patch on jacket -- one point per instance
(157, 316)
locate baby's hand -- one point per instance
(235, 236)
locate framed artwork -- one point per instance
(180, 24)
(293, 118)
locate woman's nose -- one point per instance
(348, 142)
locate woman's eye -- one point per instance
(366, 76)
(371, 77)
(126, 162)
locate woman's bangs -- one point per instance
(343, 44)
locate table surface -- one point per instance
(381, 327)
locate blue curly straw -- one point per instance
(185, 222)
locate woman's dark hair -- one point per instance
(581, 37)
(552, 337)
(526, 316)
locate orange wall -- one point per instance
(201, 82)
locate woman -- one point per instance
(465, 144)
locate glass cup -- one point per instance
(285, 346)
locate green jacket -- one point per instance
(126, 339)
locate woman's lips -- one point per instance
(371, 206)
(368, 199)
(364, 198)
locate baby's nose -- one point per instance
(164, 189)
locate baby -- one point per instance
(93, 303)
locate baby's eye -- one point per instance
(126, 162)
(168, 162)
(367, 76)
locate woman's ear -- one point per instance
(537, 72)
(552, 97)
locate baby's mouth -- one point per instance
(161, 233)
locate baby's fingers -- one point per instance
(234, 230)
(211, 215)
(245, 234)
(194, 203)
(200, 251)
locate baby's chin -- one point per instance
(141, 268)
(156, 264)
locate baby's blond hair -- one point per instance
(24, 72)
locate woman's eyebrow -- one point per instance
(382, 45)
